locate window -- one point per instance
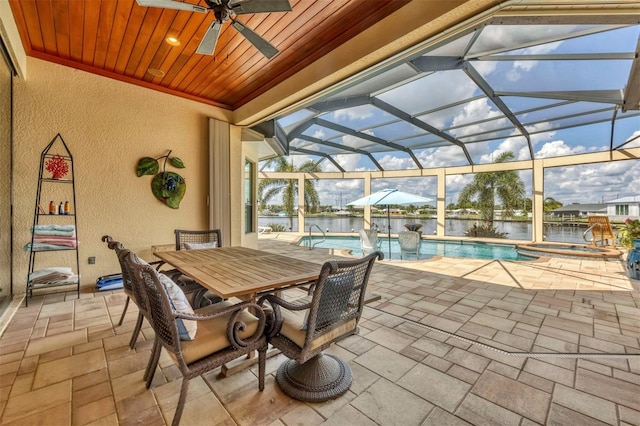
(622, 210)
(249, 196)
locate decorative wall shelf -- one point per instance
(52, 233)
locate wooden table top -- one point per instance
(240, 271)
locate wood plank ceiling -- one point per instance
(122, 40)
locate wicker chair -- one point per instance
(409, 243)
(127, 286)
(184, 238)
(369, 241)
(332, 312)
(136, 293)
(225, 331)
(191, 288)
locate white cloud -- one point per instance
(441, 157)
(477, 110)
(299, 160)
(635, 143)
(558, 149)
(517, 145)
(355, 142)
(592, 183)
(392, 162)
(349, 162)
(319, 133)
(354, 114)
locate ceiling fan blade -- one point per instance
(261, 44)
(170, 4)
(259, 6)
(210, 39)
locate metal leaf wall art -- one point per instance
(168, 187)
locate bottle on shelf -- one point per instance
(61, 208)
(52, 207)
(67, 207)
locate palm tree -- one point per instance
(269, 188)
(505, 185)
(550, 204)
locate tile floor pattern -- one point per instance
(62, 362)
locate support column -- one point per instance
(441, 203)
(367, 209)
(220, 178)
(538, 201)
(301, 203)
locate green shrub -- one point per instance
(276, 227)
(484, 231)
(630, 232)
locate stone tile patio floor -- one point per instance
(439, 348)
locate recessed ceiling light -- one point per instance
(173, 41)
(156, 72)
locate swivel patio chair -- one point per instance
(409, 243)
(369, 241)
(332, 313)
(201, 340)
(601, 231)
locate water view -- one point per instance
(453, 227)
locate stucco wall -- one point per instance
(108, 126)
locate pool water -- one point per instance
(428, 248)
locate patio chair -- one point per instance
(201, 340)
(417, 227)
(193, 240)
(127, 286)
(369, 241)
(189, 240)
(601, 231)
(332, 312)
(409, 243)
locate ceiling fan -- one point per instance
(223, 9)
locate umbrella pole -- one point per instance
(389, 229)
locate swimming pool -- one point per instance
(428, 248)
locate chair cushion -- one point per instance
(293, 320)
(198, 246)
(212, 334)
(331, 312)
(186, 328)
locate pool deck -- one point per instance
(445, 345)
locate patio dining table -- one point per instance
(241, 272)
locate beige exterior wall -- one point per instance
(108, 126)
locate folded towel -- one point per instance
(54, 228)
(55, 240)
(55, 232)
(55, 274)
(45, 247)
(73, 279)
(59, 230)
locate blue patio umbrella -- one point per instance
(389, 197)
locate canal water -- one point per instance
(453, 227)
